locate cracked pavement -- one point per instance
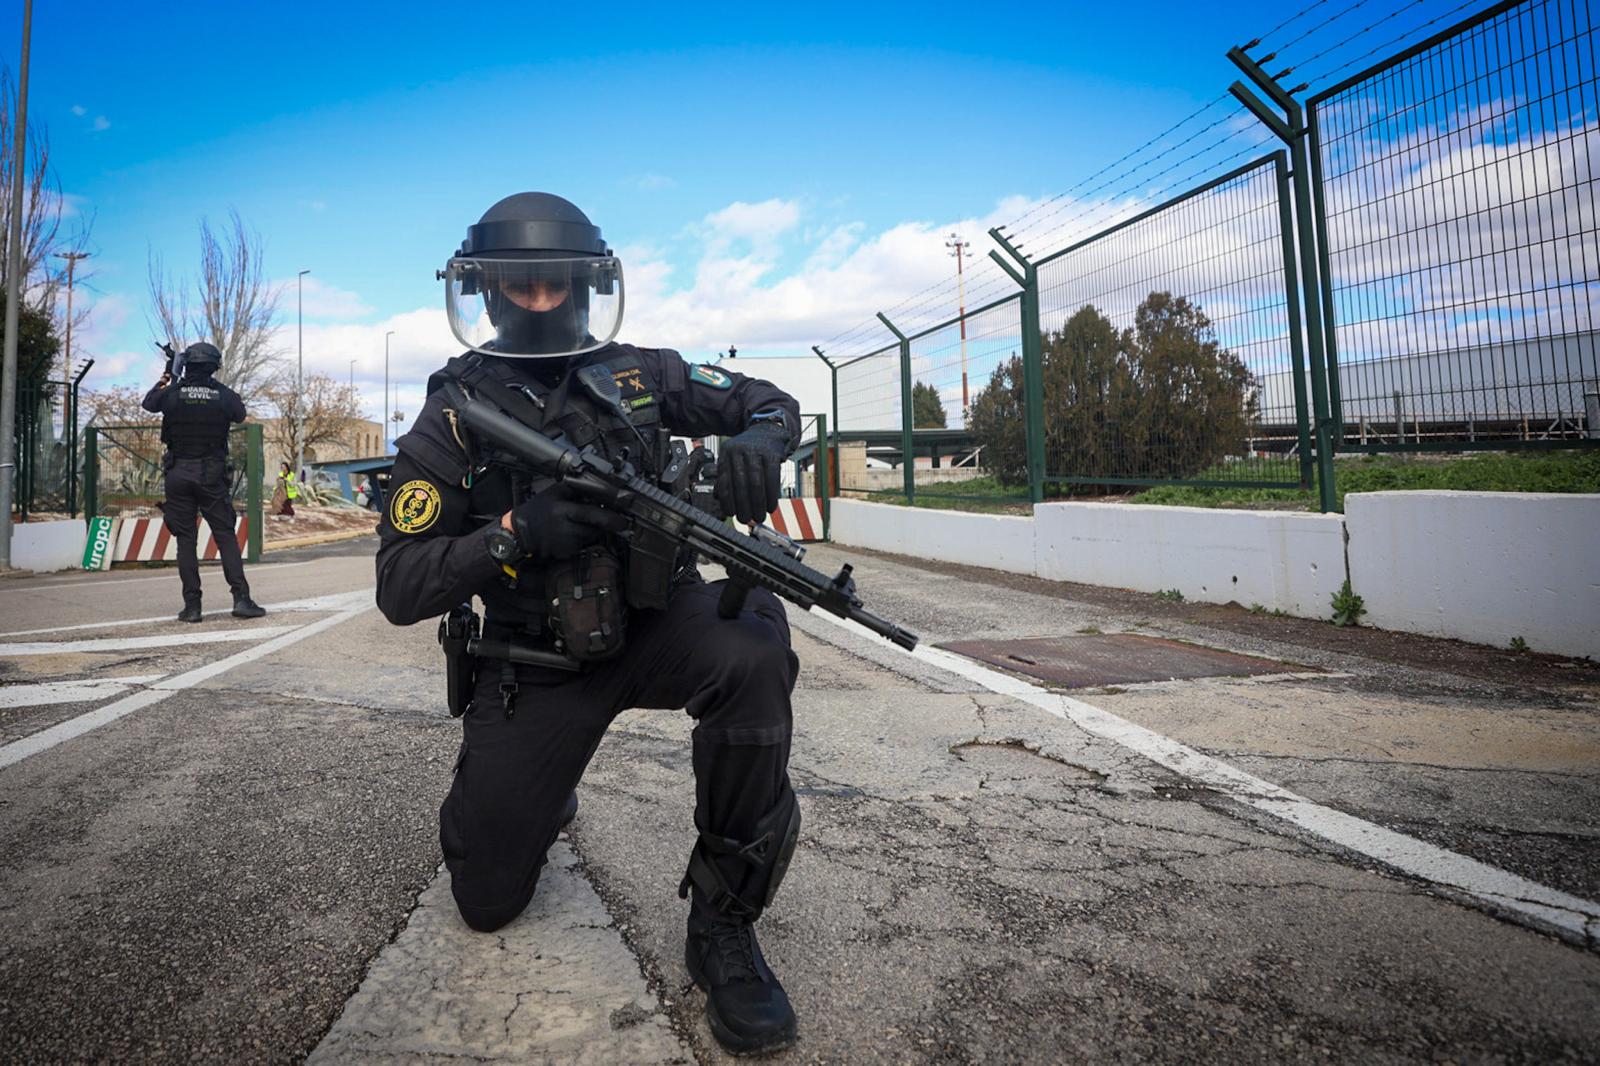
(248, 870)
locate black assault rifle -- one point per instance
(660, 515)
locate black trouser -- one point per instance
(733, 676)
(200, 487)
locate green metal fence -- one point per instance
(122, 474)
(1418, 267)
(1457, 221)
(48, 447)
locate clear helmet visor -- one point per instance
(528, 308)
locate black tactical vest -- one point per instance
(197, 428)
(563, 410)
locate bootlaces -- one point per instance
(737, 948)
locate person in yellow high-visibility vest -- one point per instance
(290, 489)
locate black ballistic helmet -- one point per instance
(549, 285)
(201, 359)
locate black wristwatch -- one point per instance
(503, 546)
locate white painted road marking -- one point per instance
(331, 602)
(70, 691)
(1506, 893)
(185, 636)
(46, 739)
(97, 581)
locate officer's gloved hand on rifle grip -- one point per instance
(748, 470)
(553, 524)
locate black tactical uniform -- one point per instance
(196, 413)
(531, 730)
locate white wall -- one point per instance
(1000, 542)
(1481, 566)
(1286, 562)
(42, 546)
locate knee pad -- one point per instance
(739, 878)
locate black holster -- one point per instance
(458, 629)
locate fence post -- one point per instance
(1032, 361)
(254, 461)
(908, 455)
(1291, 295)
(91, 472)
(1292, 132)
(833, 376)
(824, 474)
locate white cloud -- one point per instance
(322, 300)
(100, 123)
(651, 182)
(79, 110)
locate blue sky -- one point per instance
(770, 174)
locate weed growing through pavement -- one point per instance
(1347, 606)
(1519, 645)
(1170, 595)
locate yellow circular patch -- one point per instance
(415, 507)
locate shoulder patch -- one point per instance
(710, 376)
(415, 507)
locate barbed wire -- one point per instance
(1375, 49)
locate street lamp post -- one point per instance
(300, 372)
(8, 362)
(385, 419)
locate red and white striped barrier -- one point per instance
(798, 518)
(148, 540)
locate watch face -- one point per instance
(502, 545)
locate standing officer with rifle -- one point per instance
(196, 411)
(536, 296)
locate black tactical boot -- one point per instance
(245, 607)
(571, 810)
(191, 612)
(747, 1009)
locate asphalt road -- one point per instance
(231, 855)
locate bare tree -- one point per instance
(43, 208)
(230, 304)
(323, 412)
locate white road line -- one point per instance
(185, 637)
(330, 602)
(70, 691)
(46, 739)
(155, 575)
(1514, 896)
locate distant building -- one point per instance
(364, 441)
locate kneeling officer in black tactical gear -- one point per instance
(536, 296)
(196, 411)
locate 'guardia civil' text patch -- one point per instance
(415, 507)
(710, 375)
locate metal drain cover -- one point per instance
(1091, 661)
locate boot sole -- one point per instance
(732, 1043)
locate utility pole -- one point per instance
(72, 261)
(958, 248)
(300, 371)
(69, 407)
(8, 367)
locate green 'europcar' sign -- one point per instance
(102, 537)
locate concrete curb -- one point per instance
(320, 538)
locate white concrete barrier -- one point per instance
(1481, 566)
(1000, 542)
(42, 546)
(1286, 562)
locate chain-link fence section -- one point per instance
(1168, 349)
(123, 475)
(1458, 230)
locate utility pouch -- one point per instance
(587, 612)
(457, 629)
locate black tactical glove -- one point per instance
(747, 471)
(553, 524)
